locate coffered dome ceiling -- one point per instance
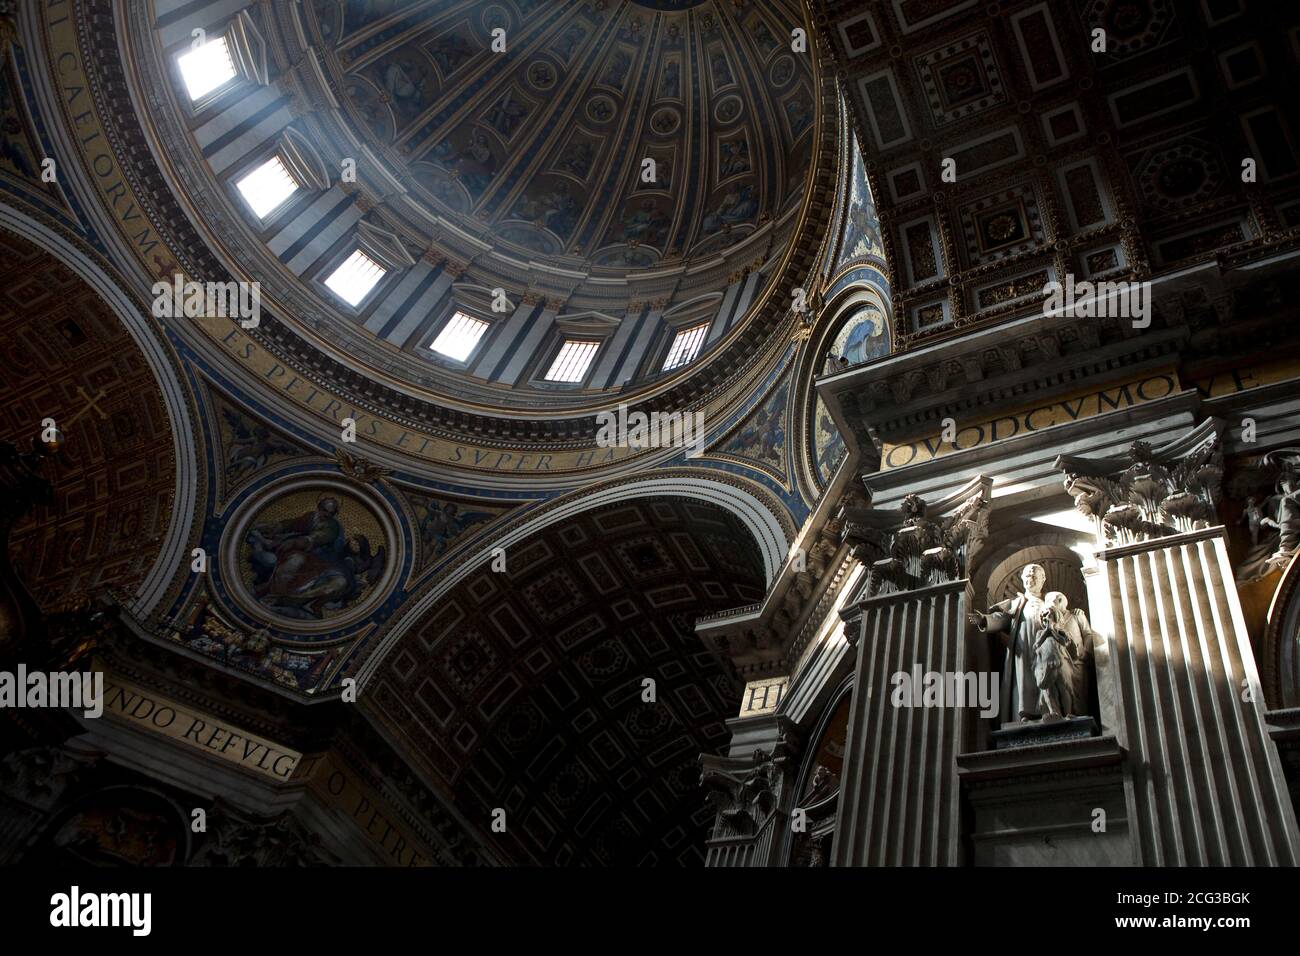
(539, 152)
(620, 173)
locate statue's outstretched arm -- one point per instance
(999, 619)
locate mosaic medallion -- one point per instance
(313, 555)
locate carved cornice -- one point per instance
(1080, 758)
(1034, 354)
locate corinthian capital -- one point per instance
(1149, 492)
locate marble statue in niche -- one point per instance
(1045, 676)
(1018, 622)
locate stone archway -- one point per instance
(525, 690)
(763, 517)
(132, 490)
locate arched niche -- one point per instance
(1064, 573)
(997, 578)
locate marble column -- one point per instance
(1205, 780)
(900, 802)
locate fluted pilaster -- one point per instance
(899, 803)
(1206, 783)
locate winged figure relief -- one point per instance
(251, 446)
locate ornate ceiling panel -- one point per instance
(1101, 139)
(523, 689)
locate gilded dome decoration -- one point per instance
(537, 177)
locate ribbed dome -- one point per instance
(542, 150)
(549, 207)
